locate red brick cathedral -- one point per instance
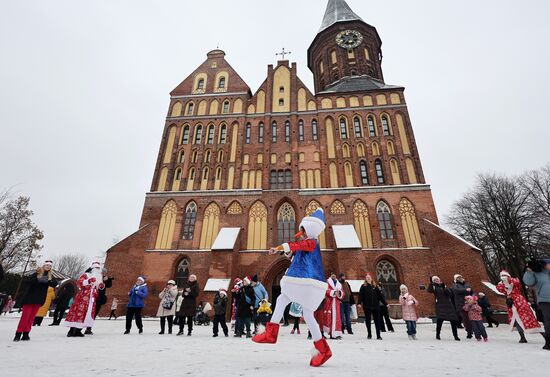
(237, 170)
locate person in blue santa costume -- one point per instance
(303, 283)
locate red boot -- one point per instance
(269, 335)
(323, 353)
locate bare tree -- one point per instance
(495, 216)
(19, 236)
(537, 185)
(72, 265)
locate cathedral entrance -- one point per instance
(273, 279)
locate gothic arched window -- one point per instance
(386, 125)
(274, 132)
(343, 128)
(379, 171)
(386, 275)
(364, 172)
(189, 221)
(286, 223)
(221, 83)
(372, 126)
(301, 130)
(247, 134)
(384, 221)
(185, 136)
(357, 127)
(223, 134)
(314, 131)
(261, 133)
(198, 134)
(210, 135)
(287, 131)
(182, 272)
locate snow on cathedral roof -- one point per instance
(226, 239)
(346, 237)
(337, 11)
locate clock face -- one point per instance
(349, 39)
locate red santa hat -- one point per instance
(247, 279)
(96, 265)
(223, 291)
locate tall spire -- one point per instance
(337, 11)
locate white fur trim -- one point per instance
(313, 226)
(306, 281)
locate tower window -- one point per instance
(384, 221)
(274, 132)
(357, 127)
(386, 126)
(190, 108)
(200, 84)
(223, 134)
(343, 128)
(247, 136)
(372, 128)
(301, 130)
(314, 131)
(221, 84)
(287, 131)
(198, 134)
(185, 137)
(225, 109)
(210, 136)
(379, 171)
(364, 173)
(282, 89)
(189, 221)
(261, 133)
(281, 102)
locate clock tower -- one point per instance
(346, 54)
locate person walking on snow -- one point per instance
(114, 306)
(333, 318)
(137, 295)
(82, 312)
(220, 307)
(444, 308)
(408, 308)
(304, 283)
(461, 289)
(474, 315)
(520, 314)
(296, 312)
(486, 309)
(38, 284)
(167, 309)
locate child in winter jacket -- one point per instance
(264, 312)
(408, 308)
(474, 314)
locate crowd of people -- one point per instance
(250, 308)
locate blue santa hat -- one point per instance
(314, 224)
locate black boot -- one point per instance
(522, 338)
(547, 345)
(88, 331)
(17, 337)
(25, 336)
(78, 333)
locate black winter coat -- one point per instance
(370, 297)
(243, 305)
(220, 304)
(188, 306)
(486, 309)
(1, 272)
(102, 295)
(64, 295)
(444, 308)
(459, 293)
(37, 290)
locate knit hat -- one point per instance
(403, 286)
(171, 282)
(142, 278)
(223, 291)
(455, 278)
(237, 280)
(481, 294)
(468, 298)
(255, 278)
(48, 263)
(505, 273)
(96, 265)
(314, 224)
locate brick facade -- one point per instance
(342, 161)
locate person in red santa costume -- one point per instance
(520, 314)
(332, 321)
(81, 314)
(304, 283)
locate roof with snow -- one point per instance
(357, 83)
(454, 235)
(337, 11)
(214, 285)
(355, 285)
(346, 237)
(226, 239)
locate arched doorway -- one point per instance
(273, 279)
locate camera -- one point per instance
(534, 264)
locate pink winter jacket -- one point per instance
(408, 307)
(474, 312)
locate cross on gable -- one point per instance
(283, 53)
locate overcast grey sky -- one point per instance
(85, 90)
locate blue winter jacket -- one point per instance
(137, 294)
(261, 293)
(541, 283)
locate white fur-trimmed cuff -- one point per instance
(286, 249)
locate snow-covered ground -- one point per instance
(110, 353)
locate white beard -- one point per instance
(96, 273)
